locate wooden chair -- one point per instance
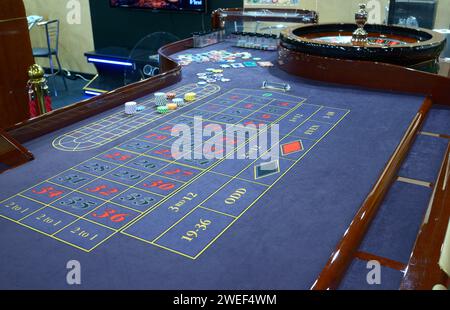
(52, 38)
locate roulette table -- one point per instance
(363, 150)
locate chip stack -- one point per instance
(171, 95)
(189, 97)
(179, 102)
(172, 106)
(162, 109)
(130, 108)
(160, 99)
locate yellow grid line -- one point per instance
(157, 245)
(105, 177)
(189, 87)
(157, 205)
(95, 197)
(114, 119)
(187, 183)
(215, 211)
(95, 179)
(220, 161)
(63, 211)
(265, 191)
(221, 187)
(107, 201)
(45, 234)
(48, 180)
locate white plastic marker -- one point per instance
(130, 108)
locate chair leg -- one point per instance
(61, 72)
(52, 70)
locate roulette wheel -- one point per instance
(379, 43)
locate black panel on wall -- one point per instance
(125, 27)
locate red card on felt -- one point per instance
(292, 147)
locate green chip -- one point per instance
(162, 109)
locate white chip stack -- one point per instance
(179, 102)
(160, 99)
(130, 108)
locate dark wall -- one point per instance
(125, 27)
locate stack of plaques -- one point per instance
(160, 99)
(171, 95)
(162, 109)
(172, 106)
(130, 108)
(179, 102)
(189, 97)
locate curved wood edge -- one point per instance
(217, 21)
(341, 258)
(12, 153)
(384, 261)
(372, 75)
(169, 63)
(171, 74)
(423, 271)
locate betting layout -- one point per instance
(139, 190)
(119, 124)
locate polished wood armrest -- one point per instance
(339, 261)
(423, 271)
(12, 153)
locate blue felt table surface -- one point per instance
(282, 242)
(356, 277)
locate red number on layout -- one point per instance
(156, 137)
(106, 213)
(169, 128)
(283, 104)
(160, 184)
(44, 190)
(229, 141)
(117, 218)
(50, 191)
(253, 123)
(166, 128)
(110, 213)
(266, 116)
(249, 106)
(215, 127)
(216, 150)
(103, 190)
(55, 194)
(118, 156)
(178, 171)
(164, 152)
